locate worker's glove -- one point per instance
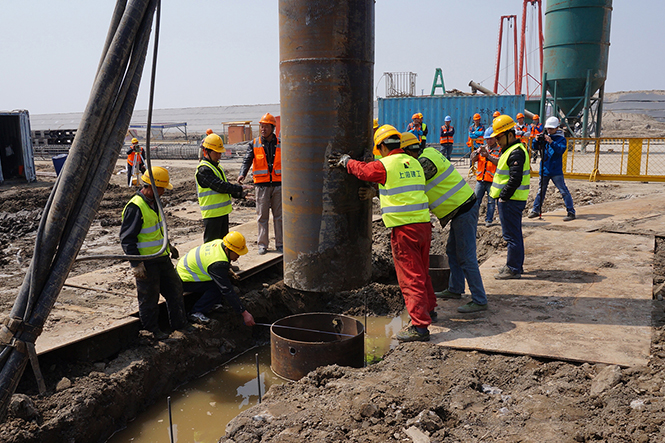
(247, 318)
(366, 193)
(337, 160)
(174, 252)
(140, 272)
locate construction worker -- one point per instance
(553, 145)
(214, 190)
(522, 130)
(205, 270)
(452, 200)
(416, 127)
(404, 209)
(495, 115)
(487, 157)
(446, 140)
(135, 162)
(141, 233)
(208, 132)
(511, 190)
(476, 133)
(535, 129)
(265, 157)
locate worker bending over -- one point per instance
(401, 182)
(452, 200)
(214, 190)
(205, 270)
(141, 233)
(511, 190)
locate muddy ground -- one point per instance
(417, 392)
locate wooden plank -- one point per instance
(584, 297)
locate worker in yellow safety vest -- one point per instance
(511, 190)
(205, 270)
(142, 234)
(452, 200)
(214, 191)
(404, 209)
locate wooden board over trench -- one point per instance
(585, 296)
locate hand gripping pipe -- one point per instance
(78, 191)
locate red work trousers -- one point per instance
(410, 247)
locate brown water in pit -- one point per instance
(202, 408)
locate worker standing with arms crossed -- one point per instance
(404, 209)
(511, 190)
(452, 200)
(205, 270)
(141, 233)
(265, 157)
(487, 157)
(446, 140)
(214, 191)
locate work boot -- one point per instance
(198, 317)
(410, 333)
(471, 307)
(262, 250)
(570, 216)
(433, 315)
(506, 274)
(533, 214)
(159, 334)
(448, 295)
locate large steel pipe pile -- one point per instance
(326, 76)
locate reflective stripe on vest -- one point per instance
(151, 236)
(213, 203)
(502, 175)
(260, 167)
(403, 199)
(486, 169)
(447, 138)
(193, 267)
(447, 190)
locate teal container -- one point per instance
(577, 40)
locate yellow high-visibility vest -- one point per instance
(194, 265)
(213, 203)
(447, 190)
(502, 175)
(403, 199)
(151, 237)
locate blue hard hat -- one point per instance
(447, 118)
(488, 132)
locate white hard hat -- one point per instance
(552, 122)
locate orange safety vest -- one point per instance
(447, 138)
(486, 169)
(260, 169)
(130, 158)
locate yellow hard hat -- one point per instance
(502, 124)
(408, 139)
(161, 177)
(268, 119)
(376, 124)
(214, 142)
(135, 140)
(235, 241)
(383, 133)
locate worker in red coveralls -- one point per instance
(404, 208)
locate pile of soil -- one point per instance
(443, 394)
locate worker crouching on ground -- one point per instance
(552, 144)
(135, 162)
(487, 157)
(265, 156)
(141, 233)
(511, 190)
(401, 182)
(214, 190)
(452, 200)
(205, 270)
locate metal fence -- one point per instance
(627, 159)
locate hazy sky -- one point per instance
(223, 52)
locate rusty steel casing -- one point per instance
(296, 348)
(326, 76)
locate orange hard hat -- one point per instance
(496, 114)
(519, 115)
(208, 131)
(476, 116)
(415, 116)
(536, 117)
(268, 119)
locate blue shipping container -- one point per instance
(398, 111)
